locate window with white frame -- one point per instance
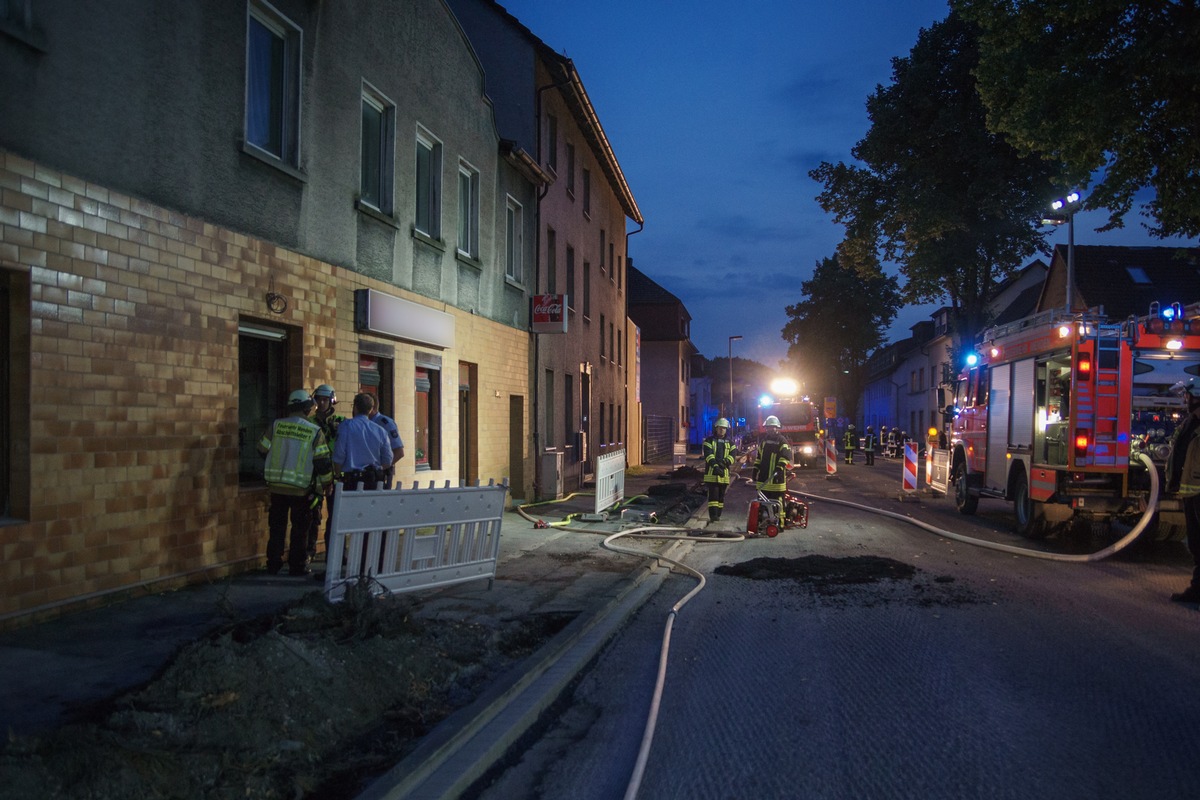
(429, 185)
(468, 210)
(514, 241)
(273, 46)
(378, 149)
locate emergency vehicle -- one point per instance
(799, 421)
(1042, 418)
(1166, 353)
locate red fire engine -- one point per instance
(799, 422)
(1042, 418)
(1166, 353)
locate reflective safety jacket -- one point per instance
(1183, 463)
(851, 440)
(297, 457)
(771, 463)
(718, 453)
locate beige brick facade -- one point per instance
(124, 462)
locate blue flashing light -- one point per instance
(972, 359)
(1168, 313)
(766, 400)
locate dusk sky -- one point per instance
(716, 112)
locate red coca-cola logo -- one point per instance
(547, 308)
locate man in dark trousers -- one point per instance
(719, 455)
(296, 469)
(1183, 478)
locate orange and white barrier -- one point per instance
(830, 457)
(910, 467)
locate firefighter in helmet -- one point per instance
(719, 455)
(325, 399)
(869, 446)
(851, 442)
(891, 441)
(772, 461)
(1183, 477)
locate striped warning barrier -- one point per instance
(830, 457)
(910, 467)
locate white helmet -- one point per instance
(771, 422)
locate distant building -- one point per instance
(666, 363)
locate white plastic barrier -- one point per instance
(408, 539)
(610, 480)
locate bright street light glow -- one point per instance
(785, 387)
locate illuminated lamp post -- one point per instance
(1064, 211)
(732, 339)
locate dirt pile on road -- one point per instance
(310, 702)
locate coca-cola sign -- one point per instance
(548, 313)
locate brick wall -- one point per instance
(132, 426)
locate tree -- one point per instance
(1100, 85)
(954, 205)
(832, 332)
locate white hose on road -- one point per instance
(1099, 555)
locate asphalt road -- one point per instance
(983, 675)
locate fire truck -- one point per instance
(799, 421)
(1165, 344)
(1056, 408)
(1042, 418)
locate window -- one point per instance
(587, 192)
(14, 394)
(272, 83)
(620, 351)
(427, 417)
(263, 385)
(548, 408)
(612, 273)
(429, 185)
(587, 289)
(602, 251)
(611, 349)
(378, 149)
(568, 408)
(552, 142)
(570, 169)
(620, 271)
(468, 210)
(551, 261)
(570, 277)
(602, 350)
(375, 377)
(514, 241)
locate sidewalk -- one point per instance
(52, 668)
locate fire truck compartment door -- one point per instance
(999, 420)
(1022, 404)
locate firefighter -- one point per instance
(851, 440)
(773, 460)
(869, 446)
(891, 441)
(325, 398)
(719, 455)
(297, 470)
(1183, 477)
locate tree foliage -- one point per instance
(954, 205)
(1108, 85)
(832, 332)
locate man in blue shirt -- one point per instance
(362, 451)
(393, 433)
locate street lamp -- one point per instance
(1065, 208)
(732, 339)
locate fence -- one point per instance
(610, 479)
(408, 539)
(659, 437)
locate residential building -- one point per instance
(582, 380)
(1123, 281)
(665, 364)
(208, 206)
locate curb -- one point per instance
(461, 749)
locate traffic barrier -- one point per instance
(830, 457)
(910, 468)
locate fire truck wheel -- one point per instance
(1028, 515)
(966, 502)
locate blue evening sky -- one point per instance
(716, 112)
